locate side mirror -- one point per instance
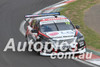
(77, 27)
(34, 31)
(27, 21)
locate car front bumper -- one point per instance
(68, 53)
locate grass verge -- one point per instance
(75, 12)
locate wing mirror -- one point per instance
(77, 27)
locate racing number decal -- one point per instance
(67, 22)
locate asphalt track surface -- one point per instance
(92, 18)
(11, 15)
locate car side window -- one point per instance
(33, 23)
(35, 26)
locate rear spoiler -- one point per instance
(43, 14)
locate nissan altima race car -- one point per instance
(55, 28)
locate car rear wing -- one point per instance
(43, 14)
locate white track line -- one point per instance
(22, 29)
(85, 62)
(94, 61)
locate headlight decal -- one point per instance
(76, 32)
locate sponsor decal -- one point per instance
(67, 32)
(60, 18)
(54, 33)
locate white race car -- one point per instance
(55, 28)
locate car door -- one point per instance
(34, 26)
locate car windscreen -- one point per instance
(64, 26)
(48, 27)
(56, 27)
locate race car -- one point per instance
(53, 27)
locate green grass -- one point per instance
(75, 12)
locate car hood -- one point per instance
(61, 34)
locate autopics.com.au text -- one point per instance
(44, 49)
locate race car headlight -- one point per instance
(81, 43)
